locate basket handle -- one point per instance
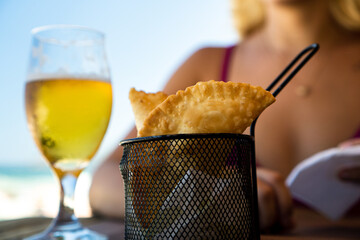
(312, 49)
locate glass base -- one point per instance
(67, 232)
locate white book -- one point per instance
(315, 181)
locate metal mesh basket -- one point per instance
(193, 186)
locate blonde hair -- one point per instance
(249, 15)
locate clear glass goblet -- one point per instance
(68, 106)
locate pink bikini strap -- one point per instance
(226, 63)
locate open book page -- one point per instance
(315, 181)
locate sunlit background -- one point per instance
(145, 41)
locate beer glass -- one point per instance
(68, 106)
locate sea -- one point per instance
(33, 191)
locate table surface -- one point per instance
(310, 226)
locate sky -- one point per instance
(145, 42)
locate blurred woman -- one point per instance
(319, 109)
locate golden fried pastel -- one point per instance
(207, 107)
(143, 103)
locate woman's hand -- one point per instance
(275, 202)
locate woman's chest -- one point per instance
(300, 123)
(294, 128)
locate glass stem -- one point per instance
(66, 219)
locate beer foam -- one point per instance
(54, 76)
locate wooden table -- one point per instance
(310, 226)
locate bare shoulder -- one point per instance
(207, 60)
(209, 53)
(202, 65)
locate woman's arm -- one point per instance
(107, 197)
(274, 199)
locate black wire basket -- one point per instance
(194, 186)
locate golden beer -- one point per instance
(68, 118)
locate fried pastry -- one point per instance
(207, 107)
(143, 103)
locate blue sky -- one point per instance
(145, 42)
